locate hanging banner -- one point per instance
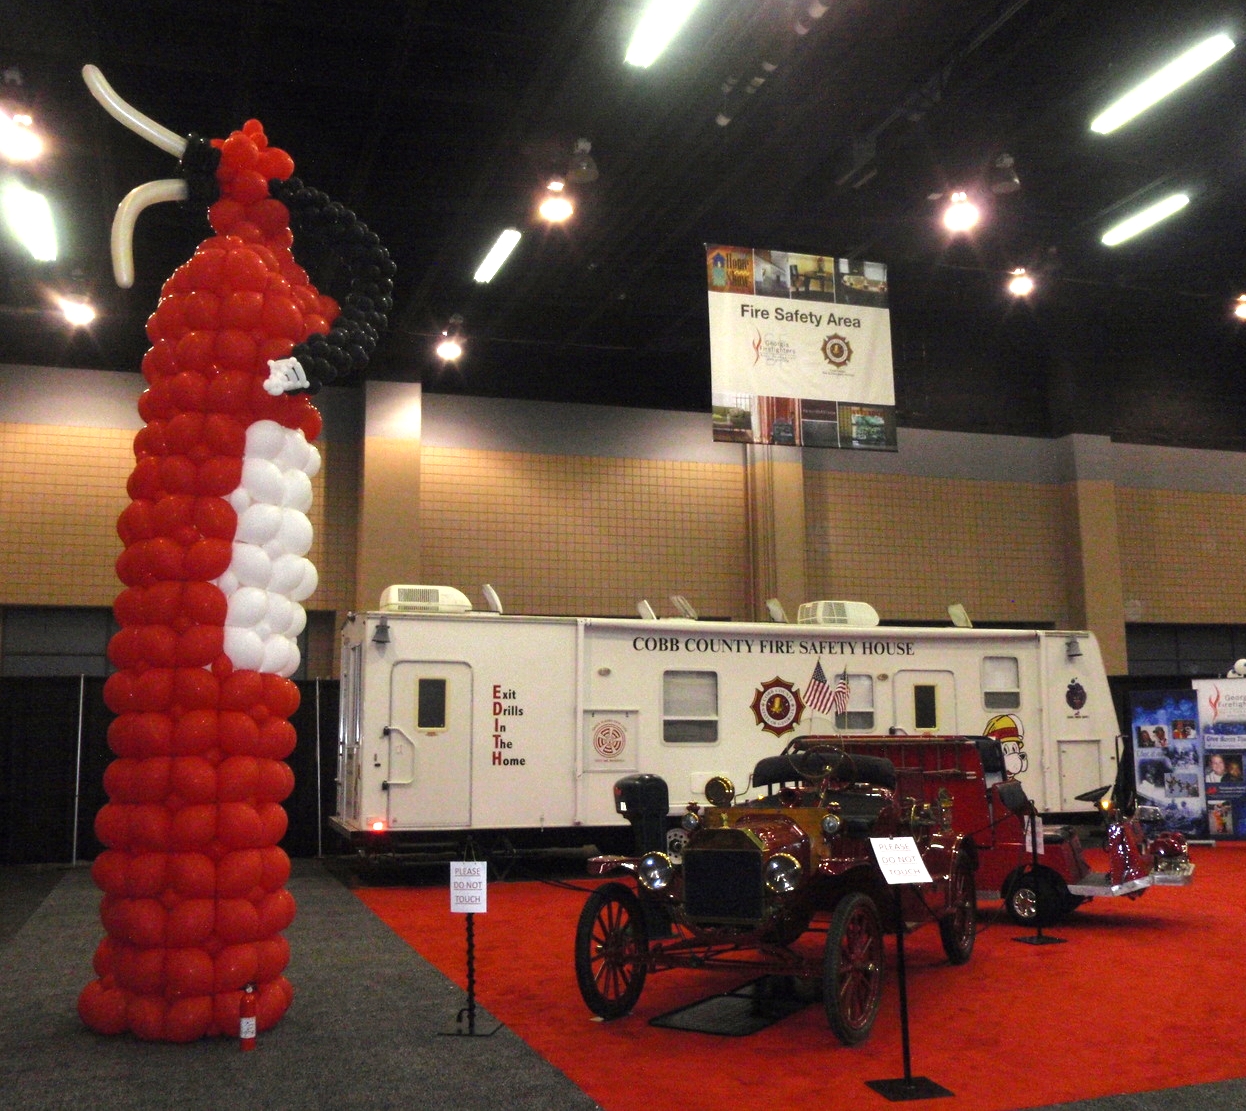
(800, 349)
(1168, 757)
(1222, 728)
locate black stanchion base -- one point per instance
(1040, 939)
(915, 1087)
(464, 1027)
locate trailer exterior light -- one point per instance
(378, 825)
(655, 871)
(782, 873)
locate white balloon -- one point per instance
(280, 615)
(295, 451)
(247, 607)
(265, 439)
(298, 493)
(239, 499)
(228, 583)
(287, 574)
(295, 534)
(258, 524)
(307, 584)
(244, 648)
(313, 463)
(298, 621)
(262, 478)
(251, 565)
(292, 663)
(276, 654)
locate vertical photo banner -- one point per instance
(800, 349)
(1168, 757)
(1222, 728)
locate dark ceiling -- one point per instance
(439, 122)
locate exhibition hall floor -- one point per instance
(1137, 1010)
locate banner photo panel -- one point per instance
(800, 349)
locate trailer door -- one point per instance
(429, 738)
(925, 701)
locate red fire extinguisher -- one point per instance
(246, 1018)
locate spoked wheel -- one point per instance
(960, 926)
(611, 951)
(852, 973)
(1034, 898)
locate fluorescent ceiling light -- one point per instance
(1162, 82)
(29, 219)
(1140, 221)
(497, 255)
(659, 23)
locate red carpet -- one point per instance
(1142, 996)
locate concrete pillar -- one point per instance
(388, 548)
(775, 478)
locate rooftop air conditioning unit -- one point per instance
(424, 599)
(857, 615)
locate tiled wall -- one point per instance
(581, 534)
(912, 545)
(1182, 556)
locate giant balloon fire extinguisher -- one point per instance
(214, 570)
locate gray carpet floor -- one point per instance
(372, 1027)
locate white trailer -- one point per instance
(455, 721)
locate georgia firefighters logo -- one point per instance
(777, 706)
(609, 740)
(837, 351)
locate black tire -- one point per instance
(611, 951)
(852, 971)
(959, 927)
(1035, 898)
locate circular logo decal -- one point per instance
(777, 706)
(1075, 696)
(609, 739)
(837, 350)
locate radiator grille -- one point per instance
(723, 885)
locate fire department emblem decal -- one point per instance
(777, 706)
(1075, 696)
(837, 351)
(609, 739)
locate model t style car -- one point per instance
(753, 875)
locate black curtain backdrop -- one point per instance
(47, 777)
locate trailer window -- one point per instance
(925, 706)
(430, 704)
(1001, 683)
(859, 717)
(690, 707)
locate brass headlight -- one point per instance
(720, 791)
(655, 870)
(691, 821)
(782, 873)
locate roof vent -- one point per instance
(424, 599)
(857, 615)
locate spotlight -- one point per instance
(76, 312)
(556, 208)
(1020, 284)
(450, 346)
(961, 214)
(1239, 307)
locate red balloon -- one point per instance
(192, 875)
(145, 1016)
(189, 391)
(274, 1000)
(112, 825)
(277, 739)
(275, 821)
(215, 517)
(153, 691)
(199, 645)
(193, 827)
(237, 921)
(195, 732)
(237, 873)
(274, 956)
(238, 778)
(164, 602)
(103, 1009)
(193, 779)
(125, 649)
(218, 476)
(146, 875)
(276, 781)
(140, 970)
(145, 482)
(276, 912)
(195, 688)
(276, 867)
(208, 559)
(109, 872)
(144, 923)
(191, 922)
(188, 971)
(158, 645)
(150, 826)
(189, 1019)
(135, 522)
(119, 692)
(240, 826)
(178, 474)
(238, 733)
(242, 690)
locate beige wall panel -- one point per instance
(577, 534)
(910, 546)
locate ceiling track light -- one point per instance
(450, 345)
(961, 214)
(1239, 307)
(1164, 81)
(1147, 218)
(1020, 284)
